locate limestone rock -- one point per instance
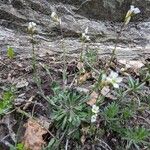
(76, 16)
(109, 9)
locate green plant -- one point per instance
(10, 52)
(111, 111)
(19, 146)
(91, 56)
(131, 12)
(32, 31)
(6, 101)
(53, 144)
(134, 85)
(127, 113)
(69, 108)
(58, 21)
(136, 136)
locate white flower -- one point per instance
(95, 109)
(86, 30)
(93, 118)
(134, 10)
(85, 37)
(32, 27)
(114, 79)
(104, 77)
(130, 12)
(55, 17)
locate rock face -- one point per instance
(109, 9)
(76, 16)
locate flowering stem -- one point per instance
(33, 54)
(81, 54)
(64, 59)
(115, 48)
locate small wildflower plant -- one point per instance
(6, 101)
(32, 29)
(58, 21)
(114, 111)
(55, 17)
(69, 108)
(114, 79)
(95, 111)
(10, 52)
(132, 11)
(85, 36)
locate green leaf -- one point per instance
(10, 52)
(20, 146)
(6, 102)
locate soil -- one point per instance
(19, 72)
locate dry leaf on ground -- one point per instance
(93, 98)
(135, 64)
(84, 77)
(33, 139)
(85, 131)
(106, 92)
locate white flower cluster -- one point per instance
(95, 110)
(112, 79)
(84, 36)
(132, 11)
(32, 27)
(55, 17)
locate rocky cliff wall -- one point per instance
(98, 15)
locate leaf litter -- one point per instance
(29, 97)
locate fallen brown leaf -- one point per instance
(85, 131)
(106, 92)
(83, 138)
(84, 77)
(93, 98)
(33, 139)
(135, 64)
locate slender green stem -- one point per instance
(33, 54)
(64, 60)
(81, 54)
(116, 44)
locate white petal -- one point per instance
(59, 20)
(83, 35)
(93, 118)
(53, 15)
(132, 8)
(104, 77)
(119, 79)
(33, 24)
(113, 74)
(86, 30)
(87, 38)
(136, 11)
(95, 109)
(109, 79)
(115, 85)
